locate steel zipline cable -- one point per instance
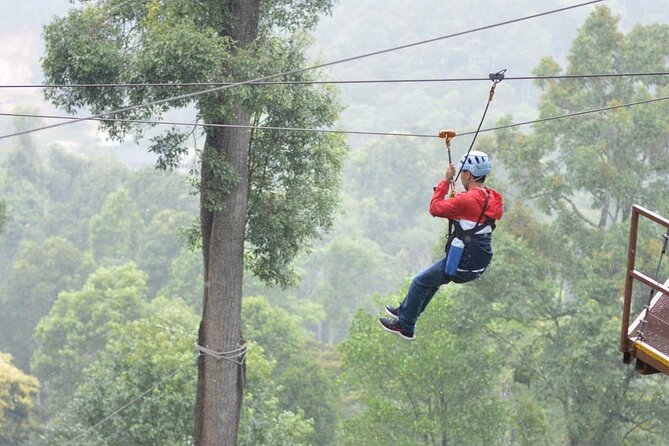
(265, 78)
(570, 115)
(347, 132)
(301, 70)
(336, 82)
(223, 87)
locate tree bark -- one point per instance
(604, 214)
(221, 382)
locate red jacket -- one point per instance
(466, 206)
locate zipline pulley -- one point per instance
(496, 78)
(447, 136)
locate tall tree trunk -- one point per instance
(604, 214)
(221, 382)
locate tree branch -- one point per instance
(636, 425)
(577, 212)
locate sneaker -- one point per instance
(393, 312)
(394, 326)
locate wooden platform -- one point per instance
(647, 338)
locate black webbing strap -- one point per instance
(460, 233)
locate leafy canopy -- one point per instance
(432, 391)
(154, 356)
(81, 322)
(293, 175)
(17, 402)
(605, 161)
(39, 272)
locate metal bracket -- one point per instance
(498, 76)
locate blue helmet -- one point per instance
(477, 163)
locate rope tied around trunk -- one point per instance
(237, 356)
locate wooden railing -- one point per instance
(627, 345)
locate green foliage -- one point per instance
(90, 47)
(438, 389)
(95, 199)
(141, 33)
(78, 187)
(80, 324)
(158, 245)
(305, 376)
(293, 15)
(223, 180)
(25, 197)
(114, 230)
(170, 148)
(149, 362)
(173, 32)
(150, 359)
(393, 182)
(307, 385)
(154, 191)
(276, 331)
(38, 274)
(556, 313)
(185, 279)
(26, 202)
(544, 320)
(294, 175)
(613, 159)
(263, 421)
(344, 273)
(17, 402)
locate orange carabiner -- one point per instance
(447, 136)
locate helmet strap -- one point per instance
(465, 183)
(472, 179)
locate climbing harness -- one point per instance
(467, 234)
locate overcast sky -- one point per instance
(21, 25)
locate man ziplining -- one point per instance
(472, 214)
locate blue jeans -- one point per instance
(422, 289)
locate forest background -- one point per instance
(100, 293)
